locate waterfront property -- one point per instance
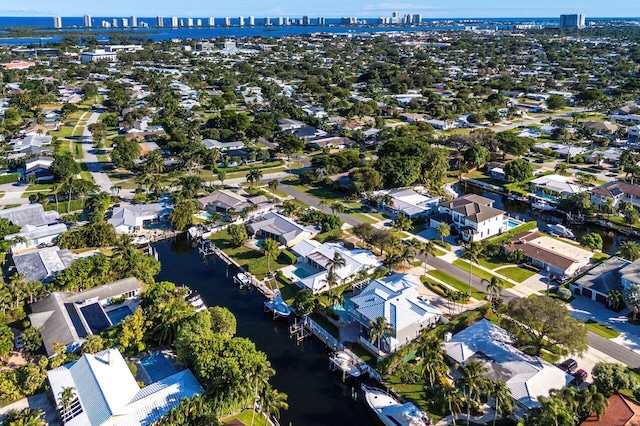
(616, 192)
(527, 377)
(280, 228)
(600, 280)
(319, 257)
(68, 318)
(550, 254)
(409, 202)
(396, 299)
(222, 201)
(43, 264)
(106, 392)
(129, 219)
(553, 187)
(473, 216)
(37, 226)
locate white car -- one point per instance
(18, 342)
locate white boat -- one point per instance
(278, 306)
(391, 412)
(242, 279)
(140, 240)
(346, 363)
(561, 230)
(194, 298)
(542, 205)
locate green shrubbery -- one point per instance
(12, 178)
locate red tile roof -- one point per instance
(620, 412)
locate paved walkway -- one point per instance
(36, 401)
(91, 159)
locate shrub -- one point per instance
(286, 256)
(564, 293)
(9, 178)
(442, 244)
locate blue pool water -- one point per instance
(206, 215)
(304, 271)
(119, 314)
(511, 223)
(157, 366)
(546, 197)
(159, 225)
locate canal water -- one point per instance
(610, 239)
(316, 395)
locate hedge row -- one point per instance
(442, 244)
(12, 178)
(286, 256)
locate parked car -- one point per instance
(18, 342)
(568, 365)
(579, 376)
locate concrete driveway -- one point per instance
(40, 401)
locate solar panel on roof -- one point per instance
(616, 191)
(95, 316)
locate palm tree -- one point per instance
(443, 230)
(322, 203)
(270, 249)
(336, 262)
(591, 401)
(378, 330)
(289, 208)
(254, 176)
(17, 286)
(273, 186)
(453, 399)
(25, 417)
(337, 208)
(494, 287)
(472, 252)
(67, 395)
(615, 299)
(473, 382)
(154, 162)
(629, 250)
(274, 401)
(501, 395)
(55, 188)
(335, 297)
(562, 169)
(155, 183)
(221, 176)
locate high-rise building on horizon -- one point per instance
(57, 22)
(573, 21)
(160, 21)
(198, 22)
(395, 18)
(189, 22)
(114, 22)
(252, 21)
(227, 21)
(241, 21)
(322, 21)
(134, 22)
(174, 21)
(125, 23)
(267, 21)
(212, 21)
(417, 18)
(87, 21)
(280, 21)
(306, 21)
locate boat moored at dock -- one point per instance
(560, 231)
(277, 305)
(347, 364)
(391, 412)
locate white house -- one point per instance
(129, 219)
(473, 216)
(36, 226)
(616, 192)
(222, 146)
(98, 55)
(527, 377)
(105, 392)
(396, 299)
(280, 228)
(319, 257)
(409, 202)
(555, 185)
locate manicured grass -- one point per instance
(39, 187)
(252, 260)
(364, 218)
(245, 417)
(438, 252)
(361, 352)
(103, 158)
(597, 256)
(326, 324)
(490, 263)
(517, 273)
(457, 284)
(480, 273)
(602, 330)
(414, 393)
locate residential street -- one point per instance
(90, 159)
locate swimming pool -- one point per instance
(157, 366)
(303, 271)
(117, 315)
(510, 224)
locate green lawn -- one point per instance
(517, 273)
(414, 393)
(252, 260)
(480, 273)
(326, 324)
(103, 158)
(361, 352)
(457, 284)
(490, 263)
(602, 330)
(364, 218)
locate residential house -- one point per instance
(329, 141)
(442, 124)
(599, 281)
(31, 144)
(105, 392)
(222, 146)
(620, 411)
(36, 226)
(554, 186)
(132, 218)
(473, 216)
(614, 192)
(280, 228)
(43, 264)
(287, 124)
(550, 254)
(611, 156)
(68, 318)
(223, 200)
(496, 170)
(409, 202)
(630, 274)
(307, 132)
(527, 377)
(395, 298)
(601, 128)
(318, 257)
(39, 167)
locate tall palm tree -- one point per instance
(273, 186)
(55, 188)
(254, 176)
(494, 287)
(337, 208)
(270, 249)
(615, 299)
(221, 176)
(17, 286)
(67, 395)
(473, 382)
(336, 262)
(378, 330)
(335, 297)
(154, 162)
(472, 252)
(502, 398)
(453, 399)
(443, 230)
(590, 401)
(274, 401)
(629, 250)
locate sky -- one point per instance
(325, 8)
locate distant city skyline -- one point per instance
(327, 8)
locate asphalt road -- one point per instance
(596, 341)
